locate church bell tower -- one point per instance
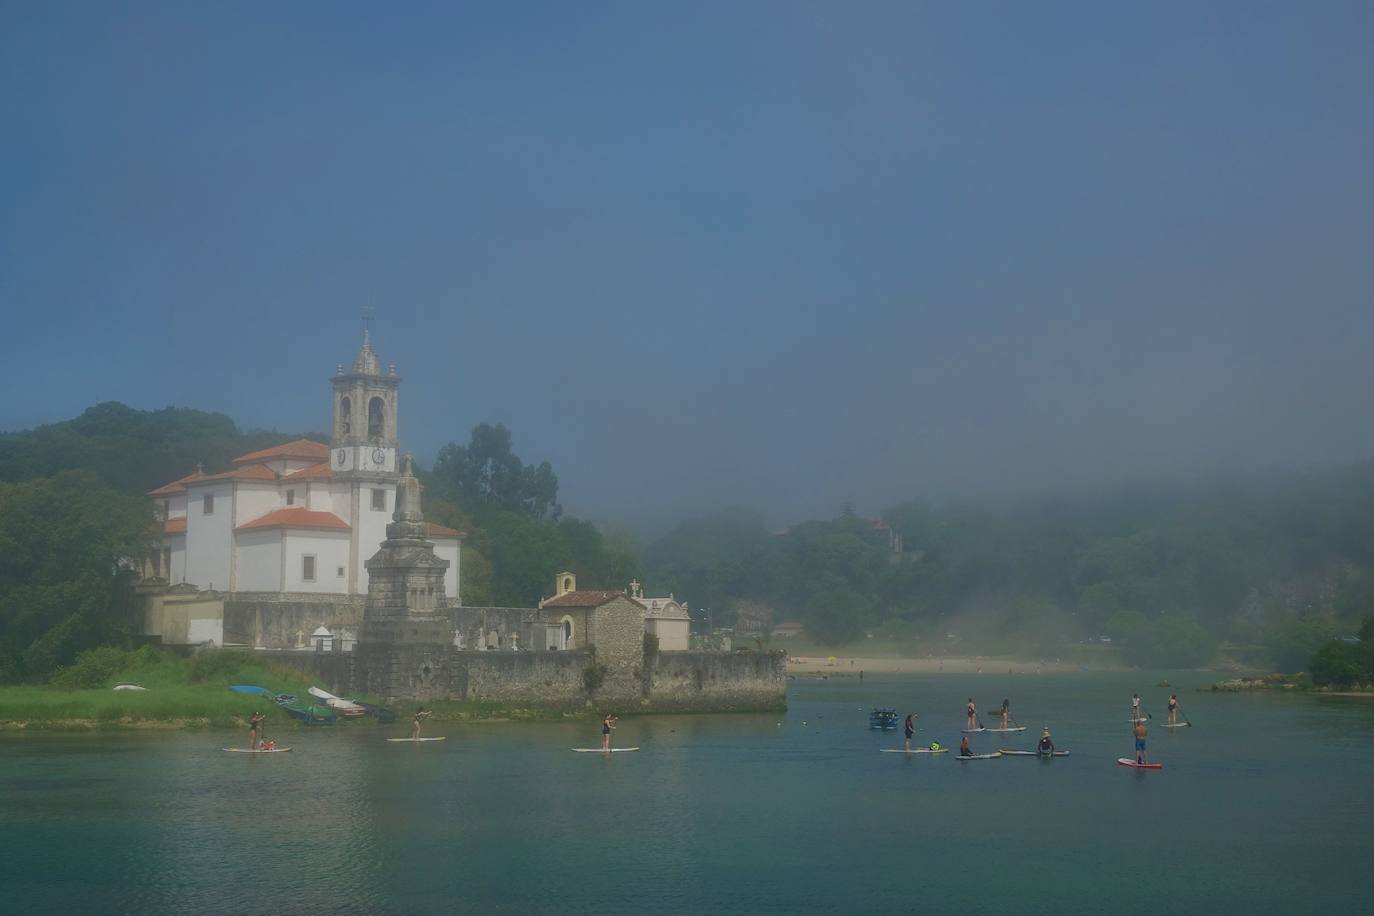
(364, 436)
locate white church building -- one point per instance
(302, 518)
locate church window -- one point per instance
(379, 500)
(341, 572)
(345, 416)
(166, 508)
(290, 497)
(308, 568)
(375, 411)
(207, 504)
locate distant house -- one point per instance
(788, 630)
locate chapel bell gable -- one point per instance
(564, 583)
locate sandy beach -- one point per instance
(847, 665)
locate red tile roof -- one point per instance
(583, 599)
(297, 517)
(174, 526)
(439, 531)
(319, 471)
(249, 472)
(301, 448)
(176, 486)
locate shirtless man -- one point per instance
(972, 714)
(910, 729)
(1141, 755)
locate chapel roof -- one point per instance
(176, 486)
(299, 448)
(584, 599)
(296, 517)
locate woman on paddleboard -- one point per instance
(972, 714)
(420, 715)
(1173, 709)
(254, 724)
(607, 726)
(1006, 714)
(910, 728)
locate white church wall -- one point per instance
(177, 545)
(317, 498)
(448, 549)
(208, 536)
(259, 558)
(371, 525)
(256, 500)
(330, 550)
(340, 496)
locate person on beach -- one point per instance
(421, 714)
(972, 714)
(607, 726)
(1173, 709)
(964, 749)
(1046, 745)
(911, 718)
(1135, 708)
(254, 725)
(1141, 755)
(1006, 714)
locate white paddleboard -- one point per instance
(249, 750)
(129, 687)
(602, 750)
(1166, 724)
(440, 738)
(1007, 753)
(914, 750)
(980, 756)
(1001, 731)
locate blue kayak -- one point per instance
(248, 688)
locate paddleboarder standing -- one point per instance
(910, 728)
(1006, 714)
(1142, 756)
(607, 726)
(972, 715)
(254, 723)
(1135, 708)
(420, 715)
(1173, 709)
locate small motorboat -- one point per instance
(346, 708)
(884, 718)
(311, 715)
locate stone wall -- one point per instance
(669, 682)
(275, 621)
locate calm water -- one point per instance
(1266, 806)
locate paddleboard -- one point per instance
(129, 687)
(1002, 731)
(1166, 724)
(249, 750)
(440, 738)
(914, 750)
(1128, 762)
(1033, 753)
(601, 750)
(979, 756)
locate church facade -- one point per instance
(295, 523)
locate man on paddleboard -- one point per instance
(964, 749)
(910, 728)
(1142, 756)
(972, 714)
(1173, 709)
(607, 725)
(254, 723)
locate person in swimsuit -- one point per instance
(1135, 708)
(1141, 755)
(1006, 713)
(1046, 742)
(972, 714)
(910, 728)
(607, 726)
(964, 749)
(1173, 709)
(254, 724)
(420, 715)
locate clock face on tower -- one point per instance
(378, 457)
(340, 457)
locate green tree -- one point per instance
(487, 475)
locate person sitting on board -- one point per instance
(910, 728)
(1141, 755)
(1046, 742)
(420, 715)
(934, 746)
(1135, 708)
(972, 714)
(607, 726)
(1173, 709)
(964, 749)
(267, 744)
(254, 723)
(1006, 714)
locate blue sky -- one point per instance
(777, 254)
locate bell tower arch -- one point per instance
(364, 438)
